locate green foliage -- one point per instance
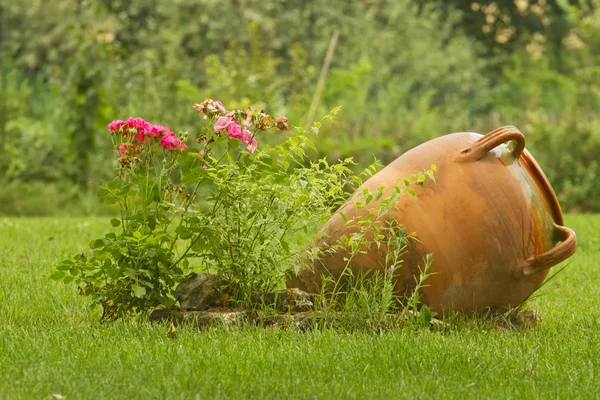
(224, 208)
(249, 238)
(28, 147)
(368, 305)
(257, 206)
(530, 84)
(125, 274)
(405, 71)
(367, 300)
(506, 26)
(567, 147)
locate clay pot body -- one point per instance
(491, 221)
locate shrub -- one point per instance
(225, 206)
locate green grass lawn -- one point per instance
(51, 343)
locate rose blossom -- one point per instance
(234, 131)
(170, 142)
(223, 123)
(139, 126)
(137, 122)
(252, 146)
(139, 136)
(246, 136)
(115, 126)
(155, 130)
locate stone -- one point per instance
(201, 292)
(289, 300)
(300, 321)
(204, 319)
(216, 317)
(173, 314)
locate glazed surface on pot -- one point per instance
(491, 221)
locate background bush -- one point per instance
(405, 71)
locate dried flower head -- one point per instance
(210, 108)
(125, 162)
(281, 123)
(263, 121)
(200, 139)
(247, 117)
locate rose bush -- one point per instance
(222, 206)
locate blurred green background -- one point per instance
(404, 71)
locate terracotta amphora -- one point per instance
(491, 221)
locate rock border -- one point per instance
(205, 304)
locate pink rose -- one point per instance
(246, 136)
(130, 122)
(252, 146)
(115, 126)
(234, 131)
(138, 123)
(156, 130)
(169, 141)
(139, 126)
(223, 123)
(139, 136)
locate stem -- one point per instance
(257, 231)
(228, 236)
(193, 242)
(188, 206)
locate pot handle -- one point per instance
(564, 250)
(480, 148)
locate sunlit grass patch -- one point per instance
(51, 342)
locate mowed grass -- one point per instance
(51, 343)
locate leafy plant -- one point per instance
(224, 207)
(367, 300)
(134, 270)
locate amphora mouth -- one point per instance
(540, 179)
